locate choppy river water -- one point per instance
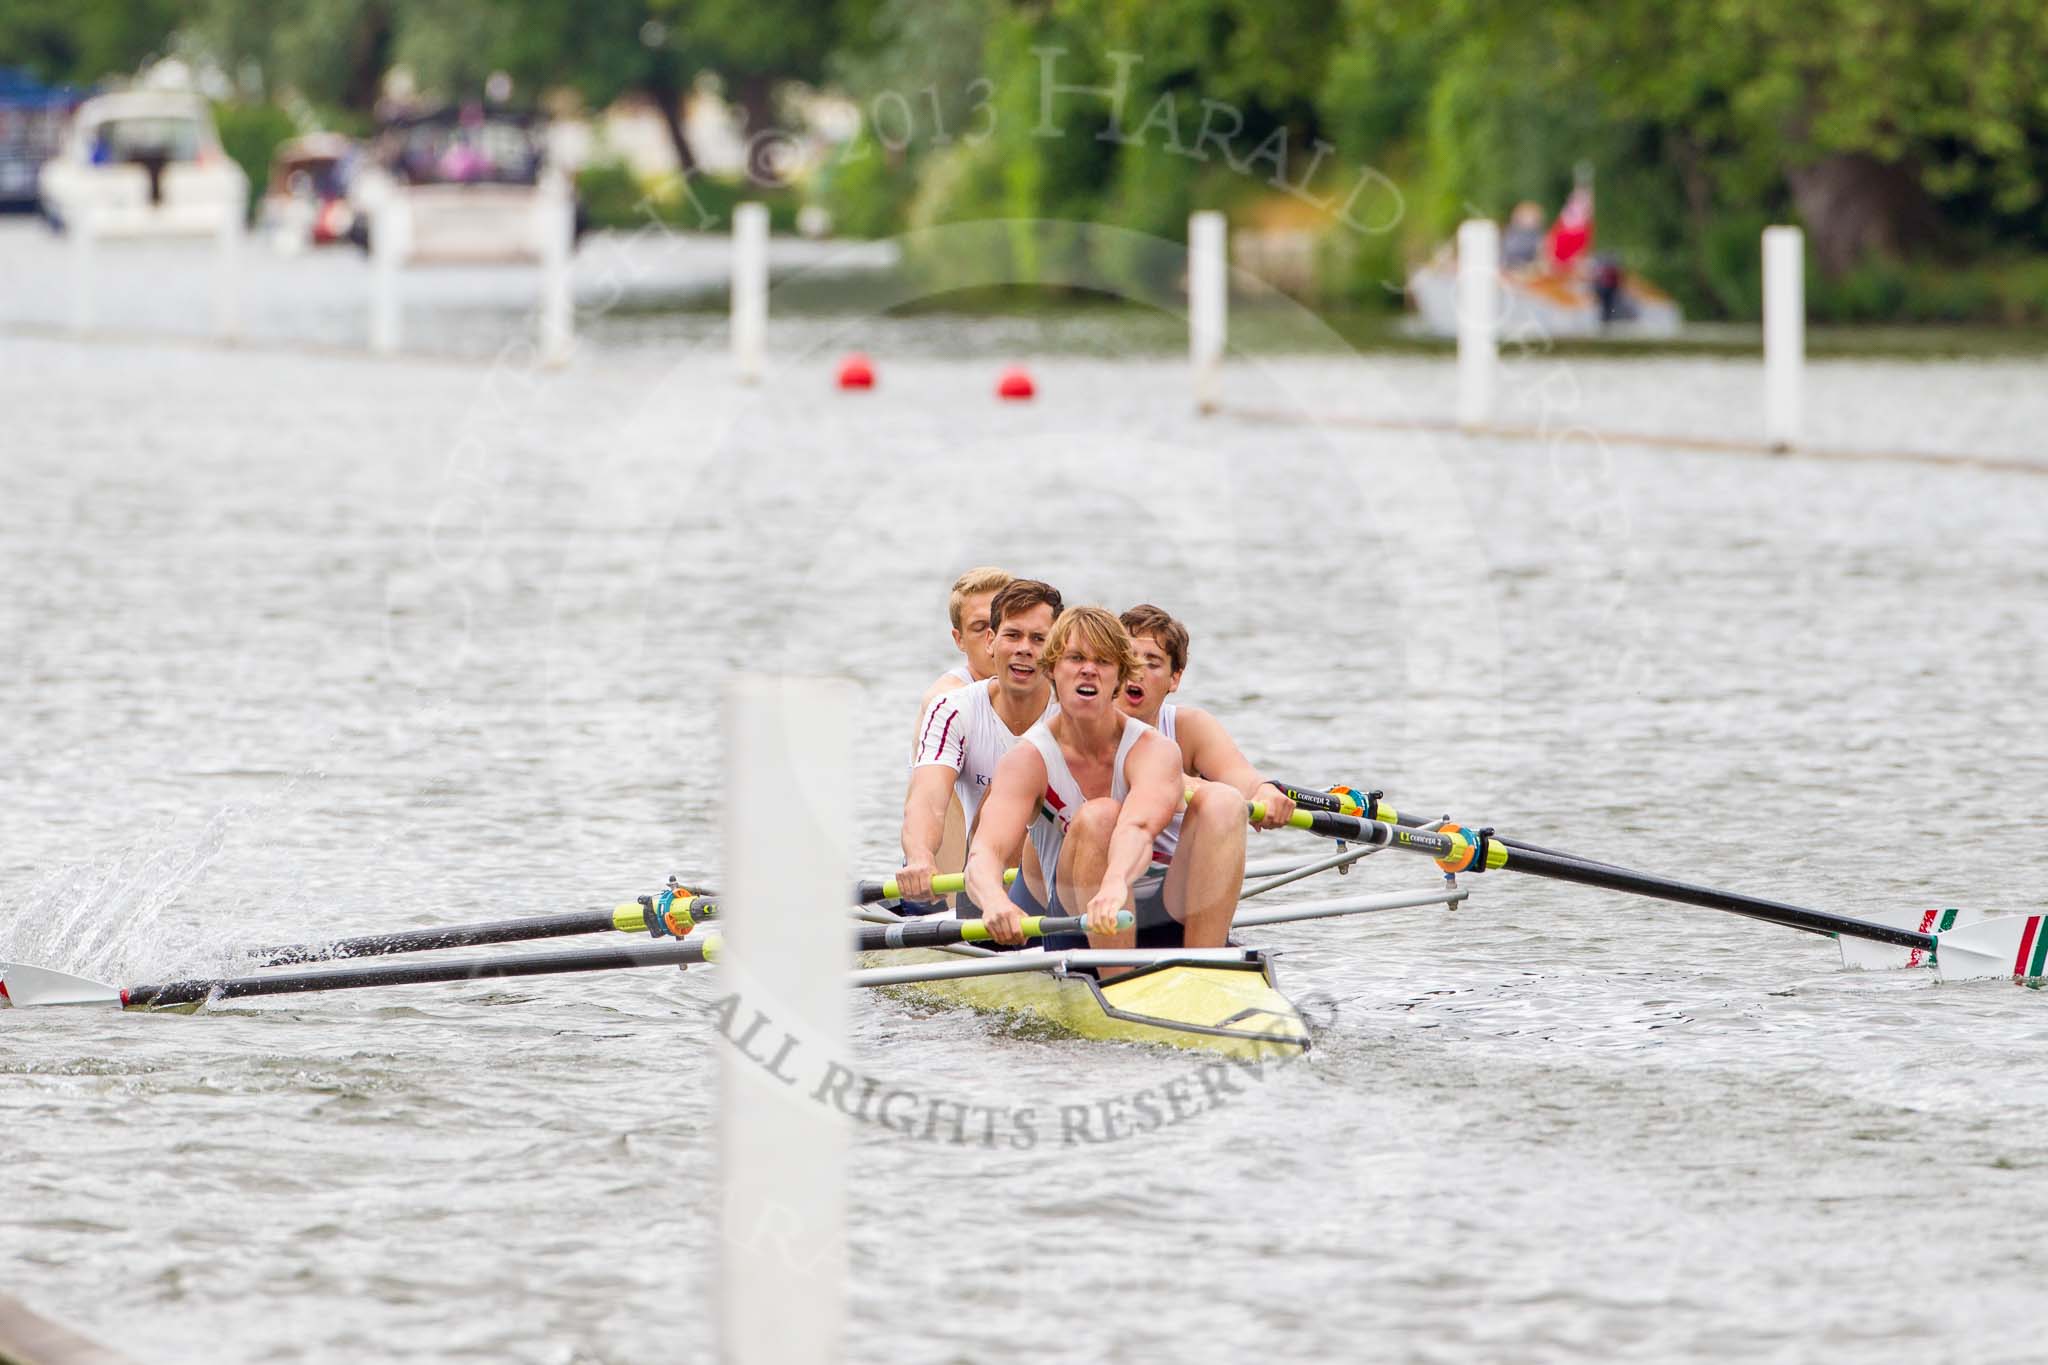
(298, 643)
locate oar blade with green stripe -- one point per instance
(2010, 947)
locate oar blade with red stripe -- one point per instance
(1864, 955)
(29, 986)
(2010, 947)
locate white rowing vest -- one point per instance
(963, 731)
(959, 674)
(1063, 794)
(1164, 847)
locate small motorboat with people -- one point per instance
(472, 179)
(305, 202)
(1552, 282)
(143, 163)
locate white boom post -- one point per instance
(557, 227)
(1478, 319)
(1784, 334)
(750, 290)
(782, 1152)
(390, 240)
(227, 252)
(1208, 304)
(80, 225)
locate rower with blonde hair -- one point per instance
(967, 604)
(1094, 789)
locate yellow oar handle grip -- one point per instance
(1301, 819)
(945, 884)
(1033, 926)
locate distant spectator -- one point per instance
(1522, 243)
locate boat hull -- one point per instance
(1230, 1008)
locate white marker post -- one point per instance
(80, 225)
(750, 291)
(1784, 334)
(1478, 319)
(390, 240)
(227, 253)
(783, 969)
(1208, 304)
(556, 208)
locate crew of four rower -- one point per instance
(1068, 761)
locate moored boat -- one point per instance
(144, 163)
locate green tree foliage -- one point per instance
(81, 43)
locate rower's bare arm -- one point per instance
(1157, 789)
(1208, 749)
(1005, 815)
(924, 824)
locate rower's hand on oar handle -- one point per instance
(1272, 808)
(1106, 910)
(1005, 921)
(914, 878)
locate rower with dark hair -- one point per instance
(967, 731)
(1206, 749)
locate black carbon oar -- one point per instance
(28, 986)
(1456, 850)
(652, 915)
(626, 919)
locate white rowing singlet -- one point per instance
(1063, 794)
(959, 674)
(1168, 842)
(964, 732)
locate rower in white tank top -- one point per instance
(1063, 794)
(963, 731)
(1169, 838)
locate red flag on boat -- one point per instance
(1571, 236)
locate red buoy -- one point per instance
(856, 373)
(1015, 383)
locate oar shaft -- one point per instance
(1501, 855)
(697, 948)
(1332, 802)
(607, 959)
(626, 919)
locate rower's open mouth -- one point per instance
(1086, 690)
(1135, 695)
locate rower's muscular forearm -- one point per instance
(985, 879)
(924, 824)
(1130, 854)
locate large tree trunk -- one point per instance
(755, 96)
(668, 98)
(1855, 206)
(368, 57)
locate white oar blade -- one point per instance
(1866, 956)
(28, 986)
(2010, 947)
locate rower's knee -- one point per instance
(1215, 806)
(1095, 821)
